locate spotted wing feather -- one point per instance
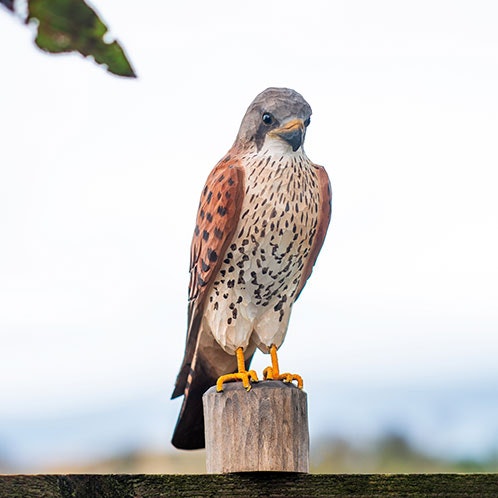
(217, 218)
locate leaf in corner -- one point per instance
(9, 4)
(72, 25)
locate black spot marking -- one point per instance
(205, 235)
(212, 256)
(204, 266)
(222, 210)
(218, 233)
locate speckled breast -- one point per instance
(262, 266)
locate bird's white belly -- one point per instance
(252, 295)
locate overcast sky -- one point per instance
(100, 179)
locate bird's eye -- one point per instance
(307, 122)
(267, 118)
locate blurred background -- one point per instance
(396, 333)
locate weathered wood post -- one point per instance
(265, 429)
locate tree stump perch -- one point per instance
(264, 429)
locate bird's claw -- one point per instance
(273, 372)
(269, 374)
(246, 377)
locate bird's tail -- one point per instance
(189, 430)
(193, 381)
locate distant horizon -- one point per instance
(440, 422)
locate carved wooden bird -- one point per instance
(261, 223)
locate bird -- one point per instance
(262, 219)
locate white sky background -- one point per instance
(100, 179)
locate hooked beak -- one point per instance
(292, 132)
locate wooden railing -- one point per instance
(261, 484)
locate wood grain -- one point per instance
(264, 429)
(250, 485)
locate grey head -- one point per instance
(277, 113)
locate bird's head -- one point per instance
(277, 117)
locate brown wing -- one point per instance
(324, 214)
(217, 219)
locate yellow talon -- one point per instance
(273, 372)
(246, 376)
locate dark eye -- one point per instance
(307, 122)
(267, 118)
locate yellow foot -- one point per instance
(269, 374)
(246, 376)
(273, 373)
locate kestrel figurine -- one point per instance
(261, 223)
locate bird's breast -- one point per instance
(263, 263)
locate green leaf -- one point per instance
(8, 3)
(72, 25)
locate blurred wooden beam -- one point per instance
(249, 485)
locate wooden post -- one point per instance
(264, 429)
